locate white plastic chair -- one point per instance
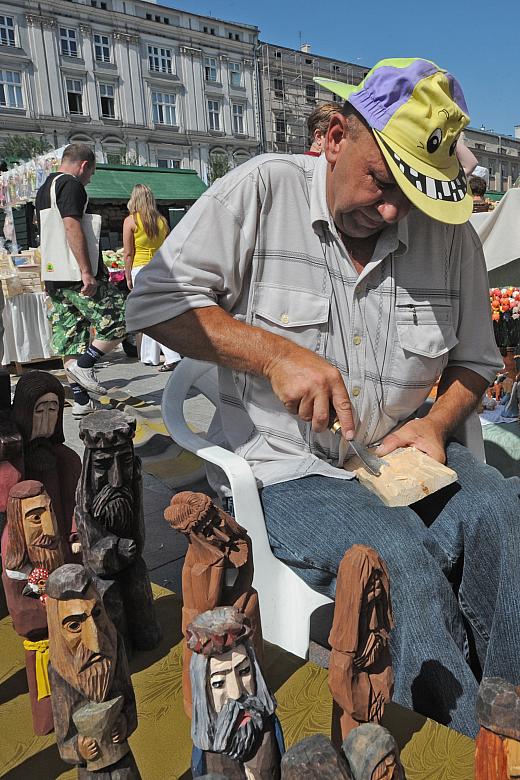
(286, 601)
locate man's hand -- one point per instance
(119, 731)
(88, 748)
(423, 434)
(89, 284)
(309, 386)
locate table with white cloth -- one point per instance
(27, 331)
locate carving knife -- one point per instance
(371, 462)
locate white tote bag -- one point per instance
(58, 261)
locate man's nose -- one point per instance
(115, 473)
(234, 687)
(47, 524)
(90, 635)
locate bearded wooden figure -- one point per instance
(234, 728)
(217, 570)
(92, 696)
(361, 678)
(31, 548)
(109, 517)
(497, 755)
(38, 405)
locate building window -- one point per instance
(68, 42)
(280, 130)
(163, 107)
(310, 93)
(233, 36)
(75, 96)
(335, 68)
(209, 30)
(168, 162)
(108, 103)
(278, 55)
(11, 95)
(102, 48)
(238, 118)
(7, 31)
(309, 61)
(101, 4)
(278, 88)
(160, 59)
(214, 114)
(210, 68)
(235, 74)
(480, 146)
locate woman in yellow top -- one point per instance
(144, 230)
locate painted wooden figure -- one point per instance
(92, 696)
(497, 754)
(372, 754)
(217, 571)
(361, 678)
(38, 404)
(234, 728)
(31, 543)
(314, 757)
(110, 521)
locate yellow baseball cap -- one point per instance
(417, 112)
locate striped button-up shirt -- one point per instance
(262, 244)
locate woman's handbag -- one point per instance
(58, 261)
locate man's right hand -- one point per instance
(310, 387)
(89, 285)
(88, 748)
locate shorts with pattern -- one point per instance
(72, 316)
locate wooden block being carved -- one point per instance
(407, 475)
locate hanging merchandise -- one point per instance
(20, 184)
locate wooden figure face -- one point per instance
(45, 416)
(113, 467)
(112, 473)
(41, 531)
(230, 677)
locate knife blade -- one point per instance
(371, 462)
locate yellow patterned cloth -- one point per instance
(41, 648)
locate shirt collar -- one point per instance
(394, 237)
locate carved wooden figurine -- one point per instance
(372, 754)
(217, 571)
(38, 405)
(497, 754)
(92, 696)
(314, 757)
(109, 516)
(31, 540)
(361, 678)
(234, 728)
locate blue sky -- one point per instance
(477, 41)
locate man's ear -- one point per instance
(335, 135)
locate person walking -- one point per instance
(77, 306)
(144, 230)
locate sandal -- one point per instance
(167, 367)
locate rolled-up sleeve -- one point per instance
(476, 348)
(202, 262)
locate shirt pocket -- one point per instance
(424, 337)
(299, 315)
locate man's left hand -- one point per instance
(422, 434)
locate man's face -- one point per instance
(45, 416)
(91, 640)
(230, 677)
(41, 532)
(361, 192)
(112, 472)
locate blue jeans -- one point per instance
(454, 565)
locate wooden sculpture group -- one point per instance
(78, 592)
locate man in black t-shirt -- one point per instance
(79, 306)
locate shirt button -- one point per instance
(356, 391)
(357, 340)
(285, 318)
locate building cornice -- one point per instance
(33, 20)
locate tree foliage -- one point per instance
(19, 148)
(218, 166)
